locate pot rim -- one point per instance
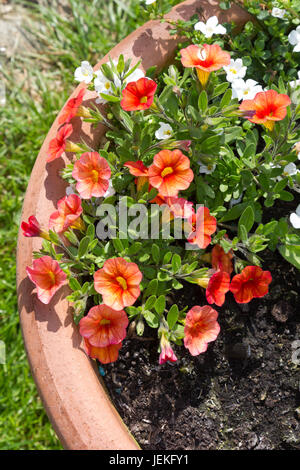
(68, 381)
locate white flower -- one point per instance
(84, 73)
(295, 83)
(207, 169)
(110, 191)
(133, 77)
(294, 39)
(295, 218)
(245, 90)
(164, 132)
(278, 13)
(102, 85)
(149, 2)
(290, 169)
(235, 70)
(210, 27)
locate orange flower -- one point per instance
(201, 327)
(92, 174)
(138, 95)
(118, 282)
(67, 215)
(33, 229)
(221, 260)
(203, 225)
(252, 282)
(71, 108)
(139, 170)
(58, 145)
(205, 59)
(170, 172)
(269, 106)
(48, 277)
(104, 355)
(103, 326)
(217, 287)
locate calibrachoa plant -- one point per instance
(181, 192)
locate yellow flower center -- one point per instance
(233, 71)
(167, 132)
(52, 277)
(144, 99)
(122, 282)
(107, 85)
(104, 321)
(167, 171)
(94, 176)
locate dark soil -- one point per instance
(243, 393)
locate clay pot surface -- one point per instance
(68, 382)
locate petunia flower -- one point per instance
(290, 170)
(70, 110)
(295, 218)
(295, 83)
(167, 353)
(206, 59)
(221, 260)
(138, 95)
(59, 144)
(218, 286)
(92, 174)
(206, 169)
(118, 282)
(170, 172)
(139, 170)
(84, 73)
(294, 39)
(211, 27)
(103, 326)
(201, 327)
(278, 13)
(235, 70)
(203, 225)
(105, 355)
(248, 89)
(149, 2)
(253, 282)
(269, 106)
(48, 277)
(67, 215)
(164, 132)
(33, 229)
(102, 84)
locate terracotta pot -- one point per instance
(72, 392)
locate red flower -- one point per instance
(103, 326)
(269, 106)
(92, 174)
(203, 225)
(217, 287)
(221, 260)
(138, 95)
(70, 109)
(201, 327)
(67, 215)
(104, 355)
(252, 282)
(58, 145)
(32, 228)
(139, 170)
(170, 172)
(48, 277)
(205, 59)
(118, 282)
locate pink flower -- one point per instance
(92, 174)
(67, 215)
(167, 353)
(48, 277)
(201, 327)
(33, 229)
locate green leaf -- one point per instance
(160, 304)
(226, 98)
(74, 284)
(176, 263)
(151, 318)
(291, 253)
(172, 316)
(202, 101)
(83, 246)
(150, 302)
(155, 251)
(151, 288)
(111, 98)
(118, 245)
(247, 219)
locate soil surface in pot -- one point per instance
(243, 393)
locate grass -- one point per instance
(85, 30)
